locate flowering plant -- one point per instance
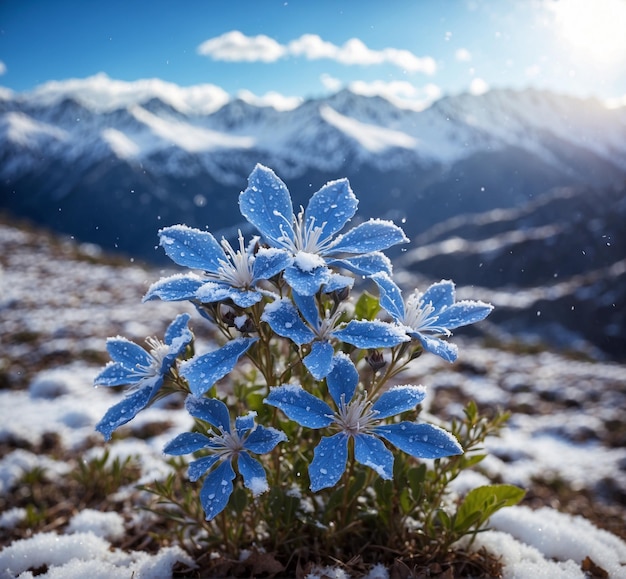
(311, 374)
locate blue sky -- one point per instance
(411, 50)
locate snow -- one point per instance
(188, 137)
(204, 121)
(101, 93)
(78, 304)
(81, 555)
(373, 138)
(104, 525)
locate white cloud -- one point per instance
(532, 71)
(400, 92)
(463, 55)
(330, 82)
(99, 92)
(3, 68)
(616, 103)
(270, 99)
(478, 86)
(234, 46)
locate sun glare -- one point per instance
(595, 30)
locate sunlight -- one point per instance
(595, 29)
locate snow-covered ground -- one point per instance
(565, 442)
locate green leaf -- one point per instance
(482, 502)
(239, 500)
(416, 476)
(406, 504)
(357, 484)
(366, 307)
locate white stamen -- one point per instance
(419, 316)
(357, 417)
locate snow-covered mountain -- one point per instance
(477, 182)
(111, 161)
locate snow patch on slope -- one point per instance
(373, 138)
(188, 137)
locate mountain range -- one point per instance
(518, 193)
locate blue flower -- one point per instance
(358, 418)
(284, 319)
(144, 370)
(432, 312)
(311, 236)
(228, 274)
(223, 446)
(201, 372)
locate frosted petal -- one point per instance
(300, 406)
(343, 379)
(332, 206)
(420, 440)
(266, 204)
(216, 490)
(390, 295)
(329, 461)
(263, 439)
(372, 452)
(211, 410)
(320, 360)
(283, 318)
(253, 473)
(371, 334)
(175, 288)
(191, 247)
(372, 235)
(203, 371)
(186, 443)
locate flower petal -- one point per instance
(420, 440)
(320, 360)
(175, 288)
(191, 247)
(186, 443)
(463, 313)
(307, 306)
(329, 461)
(306, 282)
(128, 408)
(263, 439)
(203, 371)
(283, 318)
(216, 490)
(245, 423)
(337, 282)
(368, 264)
(372, 235)
(253, 473)
(390, 295)
(217, 292)
(374, 334)
(437, 346)
(127, 353)
(440, 294)
(211, 410)
(332, 206)
(266, 204)
(178, 335)
(300, 406)
(114, 374)
(269, 262)
(398, 399)
(371, 451)
(198, 467)
(343, 379)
